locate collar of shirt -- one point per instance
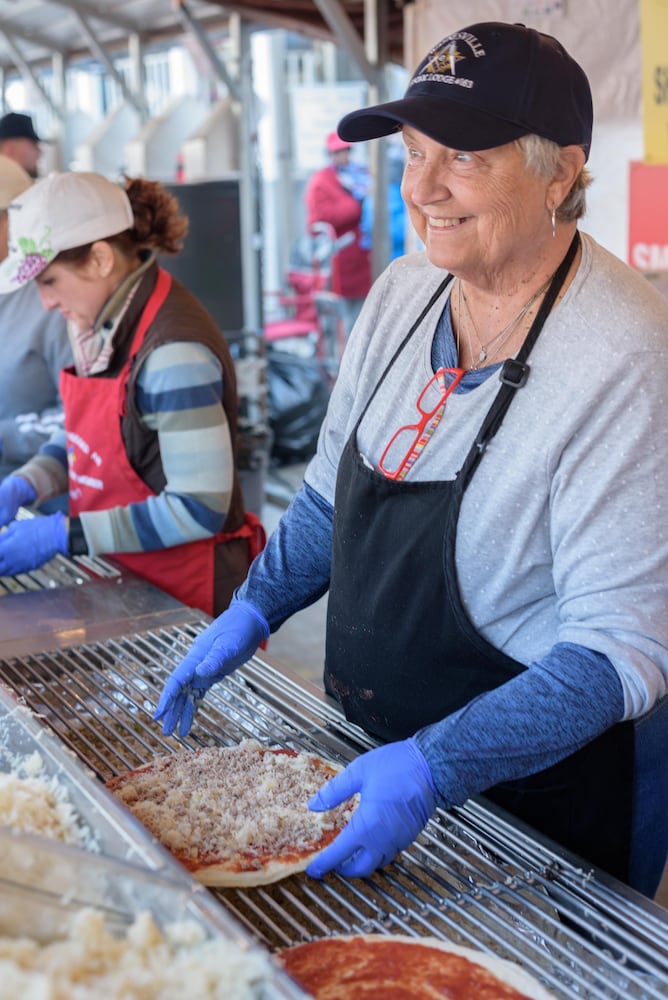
(92, 348)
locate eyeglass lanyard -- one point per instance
(425, 427)
(421, 443)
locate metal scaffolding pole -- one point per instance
(249, 189)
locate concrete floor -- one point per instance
(299, 644)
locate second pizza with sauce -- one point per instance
(235, 816)
(380, 967)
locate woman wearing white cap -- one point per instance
(487, 505)
(148, 452)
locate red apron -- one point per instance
(101, 476)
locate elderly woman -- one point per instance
(148, 450)
(488, 499)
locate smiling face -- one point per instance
(479, 214)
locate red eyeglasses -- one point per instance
(410, 440)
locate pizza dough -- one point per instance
(235, 816)
(378, 966)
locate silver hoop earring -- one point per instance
(554, 222)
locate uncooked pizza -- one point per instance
(376, 966)
(235, 816)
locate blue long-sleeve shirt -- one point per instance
(180, 397)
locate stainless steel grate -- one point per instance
(61, 571)
(473, 877)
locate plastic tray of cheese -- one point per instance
(111, 894)
(75, 923)
(32, 757)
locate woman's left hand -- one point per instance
(397, 797)
(25, 545)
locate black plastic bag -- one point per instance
(298, 391)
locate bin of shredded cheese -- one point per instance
(90, 905)
(90, 962)
(108, 928)
(46, 790)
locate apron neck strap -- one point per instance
(154, 302)
(515, 371)
(434, 298)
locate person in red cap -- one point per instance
(337, 145)
(335, 195)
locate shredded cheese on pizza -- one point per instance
(231, 803)
(91, 963)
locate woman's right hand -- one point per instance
(227, 643)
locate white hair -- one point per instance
(542, 156)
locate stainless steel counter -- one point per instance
(31, 621)
(475, 876)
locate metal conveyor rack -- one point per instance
(474, 876)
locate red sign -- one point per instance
(648, 216)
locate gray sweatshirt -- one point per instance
(563, 532)
(34, 347)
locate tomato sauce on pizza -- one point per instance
(380, 966)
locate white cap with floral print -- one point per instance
(60, 212)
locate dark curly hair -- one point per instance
(159, 222)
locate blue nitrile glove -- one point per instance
(397, 797)
(228, 642)
(25, 545)
(15, 492)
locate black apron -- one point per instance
(401, 652)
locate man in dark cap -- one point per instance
(20, 142)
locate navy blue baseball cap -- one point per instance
(484, 86)
(17, 126)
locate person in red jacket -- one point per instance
(335, 195)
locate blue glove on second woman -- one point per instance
(28, 544)
(15, 492)
(397, 797)
(228, 642)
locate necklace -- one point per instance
(489, 350)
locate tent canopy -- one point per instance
(33, 32)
